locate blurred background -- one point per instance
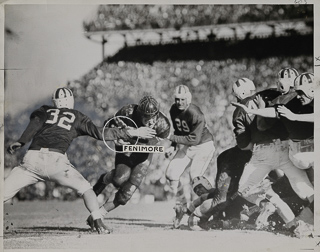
(112, 55)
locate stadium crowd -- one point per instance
(110, 17)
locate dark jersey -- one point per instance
(189, 126)
(245, 125)
(55, 128)
(297, 130)
(131, 117)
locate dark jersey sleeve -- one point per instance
(162, 126)
(87, 127)
(241, 129)
(37, 118)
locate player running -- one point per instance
(52, 129)
(131, 168)
(195, 148)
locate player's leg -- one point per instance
(176, 167)
(104, 180)
(18, 178)
(61, 171)
(128, 177)
(23, 175)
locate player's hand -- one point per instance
(169, 151)
(260, 102)
(121, 142)
(142, 132)
(120, 124)
(13, 147)
(286, 113)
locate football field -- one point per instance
(47, 225)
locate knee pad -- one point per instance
(108, 177)
(138, 174)
(125, 193)
(121, 175)
(201, 185)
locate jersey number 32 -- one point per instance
(63, 122)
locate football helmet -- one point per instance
(242, 88)
(201, 185)
(183, 92)
(306, 83)
(148, 107)
(63, 98)
(286, 78)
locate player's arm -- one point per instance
(108, 134)
(37, 119)
(265, 112)
(285, 112)
(241, 131)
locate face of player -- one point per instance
(305, 100)
(181, 103)
(149, 122)
(283, 86)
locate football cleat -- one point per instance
(267, 209)
(303, 229)
(248, 211)
(196, 223)
(101, 227)
(90, 223)
(180, 212)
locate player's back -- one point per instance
(60, 126)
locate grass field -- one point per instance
(47, 225)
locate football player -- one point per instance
(52, 129)
(270, 151)
(230, 165)
(131, 168)
(296, 114)
(194, 147)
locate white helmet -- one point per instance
(286, 78)
(306, 83)
(63, 98)
(183, 92)
(242, 88)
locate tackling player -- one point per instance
(230, 165)
(195, 148)
(52, 129)
(270, 151)
(296, 114)
(131, 168)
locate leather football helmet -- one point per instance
(306, 83)
(183, 92)
(63, 98)
(242, 88)
(286, 78)
(148, 107)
